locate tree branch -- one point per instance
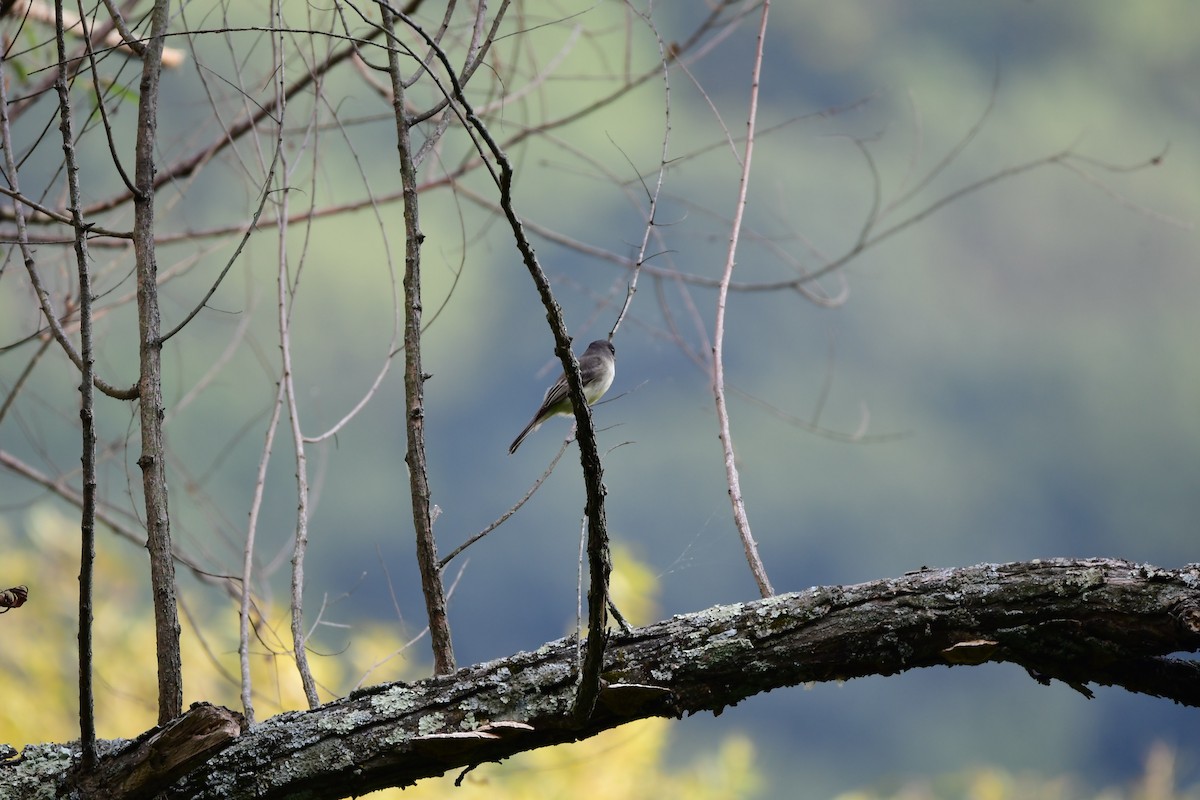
(87, 408)
(415, 377)
(600, 565)
(757, 569)
(152, 459)
(1097, 620)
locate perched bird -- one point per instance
(597, 368)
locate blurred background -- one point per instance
(1008, 376)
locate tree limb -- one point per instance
(1097, 620)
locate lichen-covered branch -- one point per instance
(1080, 621)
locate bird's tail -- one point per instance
(530, 428)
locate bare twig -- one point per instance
(245, 601)
(267, 183)
(52, 318)
(287, 379)
(121, 38)
(192, 162)
(718, 359)
(11, 397)
(514, 509)
(87, 410)
(129, 530)
(652, 195)
(386, 364)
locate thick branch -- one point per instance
(1099, 620)
(162, 755)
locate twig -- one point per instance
(52, 319)
(718, 366)
(122, 38)
(383, 225)
(238, 250)
(515, 507)
(652, 196)
(126, 530)
(87, 409)
(287, 382)
(11, 397)
(260, 485)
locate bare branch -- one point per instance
(414, 375)
(514, 509)
(152, 459)
(283, 302)
(260, 484)
(266, 192)
(87, 410)
(718, 342)
(52, 319)
(652, 196)
(1099, 621)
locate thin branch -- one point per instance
(97, 35)
(652, 196)
(190, 164)
(287, 381)
(593, 472)
(414, 375)
(241, 244)
(383, 226)
(121, 39)
(101, 107)
(718, 344)
(62, 217)
(514, 509)
(127, 35)
(52, 318)
(11, 397)
(130, 530)
(87, 408)
(245, 602)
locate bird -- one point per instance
(597, 368)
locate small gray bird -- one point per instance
(597, 368)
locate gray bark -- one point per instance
(1080, 621)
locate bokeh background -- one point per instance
(1012, 377)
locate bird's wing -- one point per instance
(555, 394)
